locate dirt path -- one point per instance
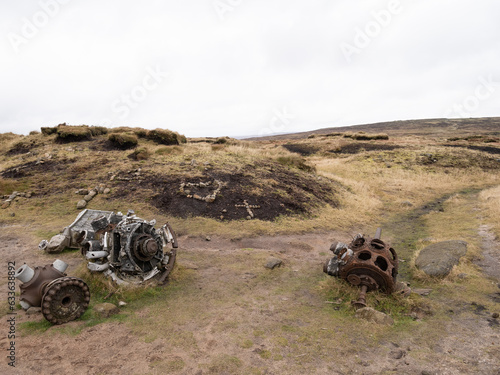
(491, 253)
(224, 313)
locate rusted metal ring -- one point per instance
(65, 299)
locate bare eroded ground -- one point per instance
(224, 313)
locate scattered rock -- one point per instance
(34, 310)
(421, 312)
(272, 263)
(82, 191)
(439, 258)
(189, 266)
(105, 310)
(57, 244)
(93, 193)
(397, 354)
(372, 315)
(13, 214)
(208, 238)
(81, 204)
(422, 292)
(121, 303)
(406, 204)
(6, 205)
(88, 197)
(495, 315)
(106, 191)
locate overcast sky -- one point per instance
(246, 67)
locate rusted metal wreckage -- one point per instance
(125, 248)
(61, 298)
(366, 262)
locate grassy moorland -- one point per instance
(222, 311)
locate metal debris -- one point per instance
(61, 298)
(72, 236)
(127, 248)
(366, 262)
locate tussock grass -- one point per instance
(68, 133)
(166, 137)
(123, 140)
(362, 136)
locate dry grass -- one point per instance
(276, 321)
(490, 204)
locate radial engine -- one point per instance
(366, 262)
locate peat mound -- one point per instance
(357, 147)
(264, 190)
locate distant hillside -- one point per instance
(485, 125)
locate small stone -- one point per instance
(189, 265)
(208, 238)
(81, 204)
(13, 214)
(112, 177)
(222, 217)
(105, 310)
(88, 198)
(272, 263)
(106, 191)
(93, 193)
(372, 315)
(397, 354)
(121, 303)
(6, 205)
(495, 315)
(82, 191)
(196, 196)
(406, 204)
(422, 292)
(29, 194)
(210, 199)
(224, 210)
(57, 244)
(33, 310)
(249, 217)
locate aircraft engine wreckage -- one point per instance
(366, 262)
(124, 247)
(61, 298)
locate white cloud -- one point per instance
(227, 77)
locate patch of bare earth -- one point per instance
(230, 315)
